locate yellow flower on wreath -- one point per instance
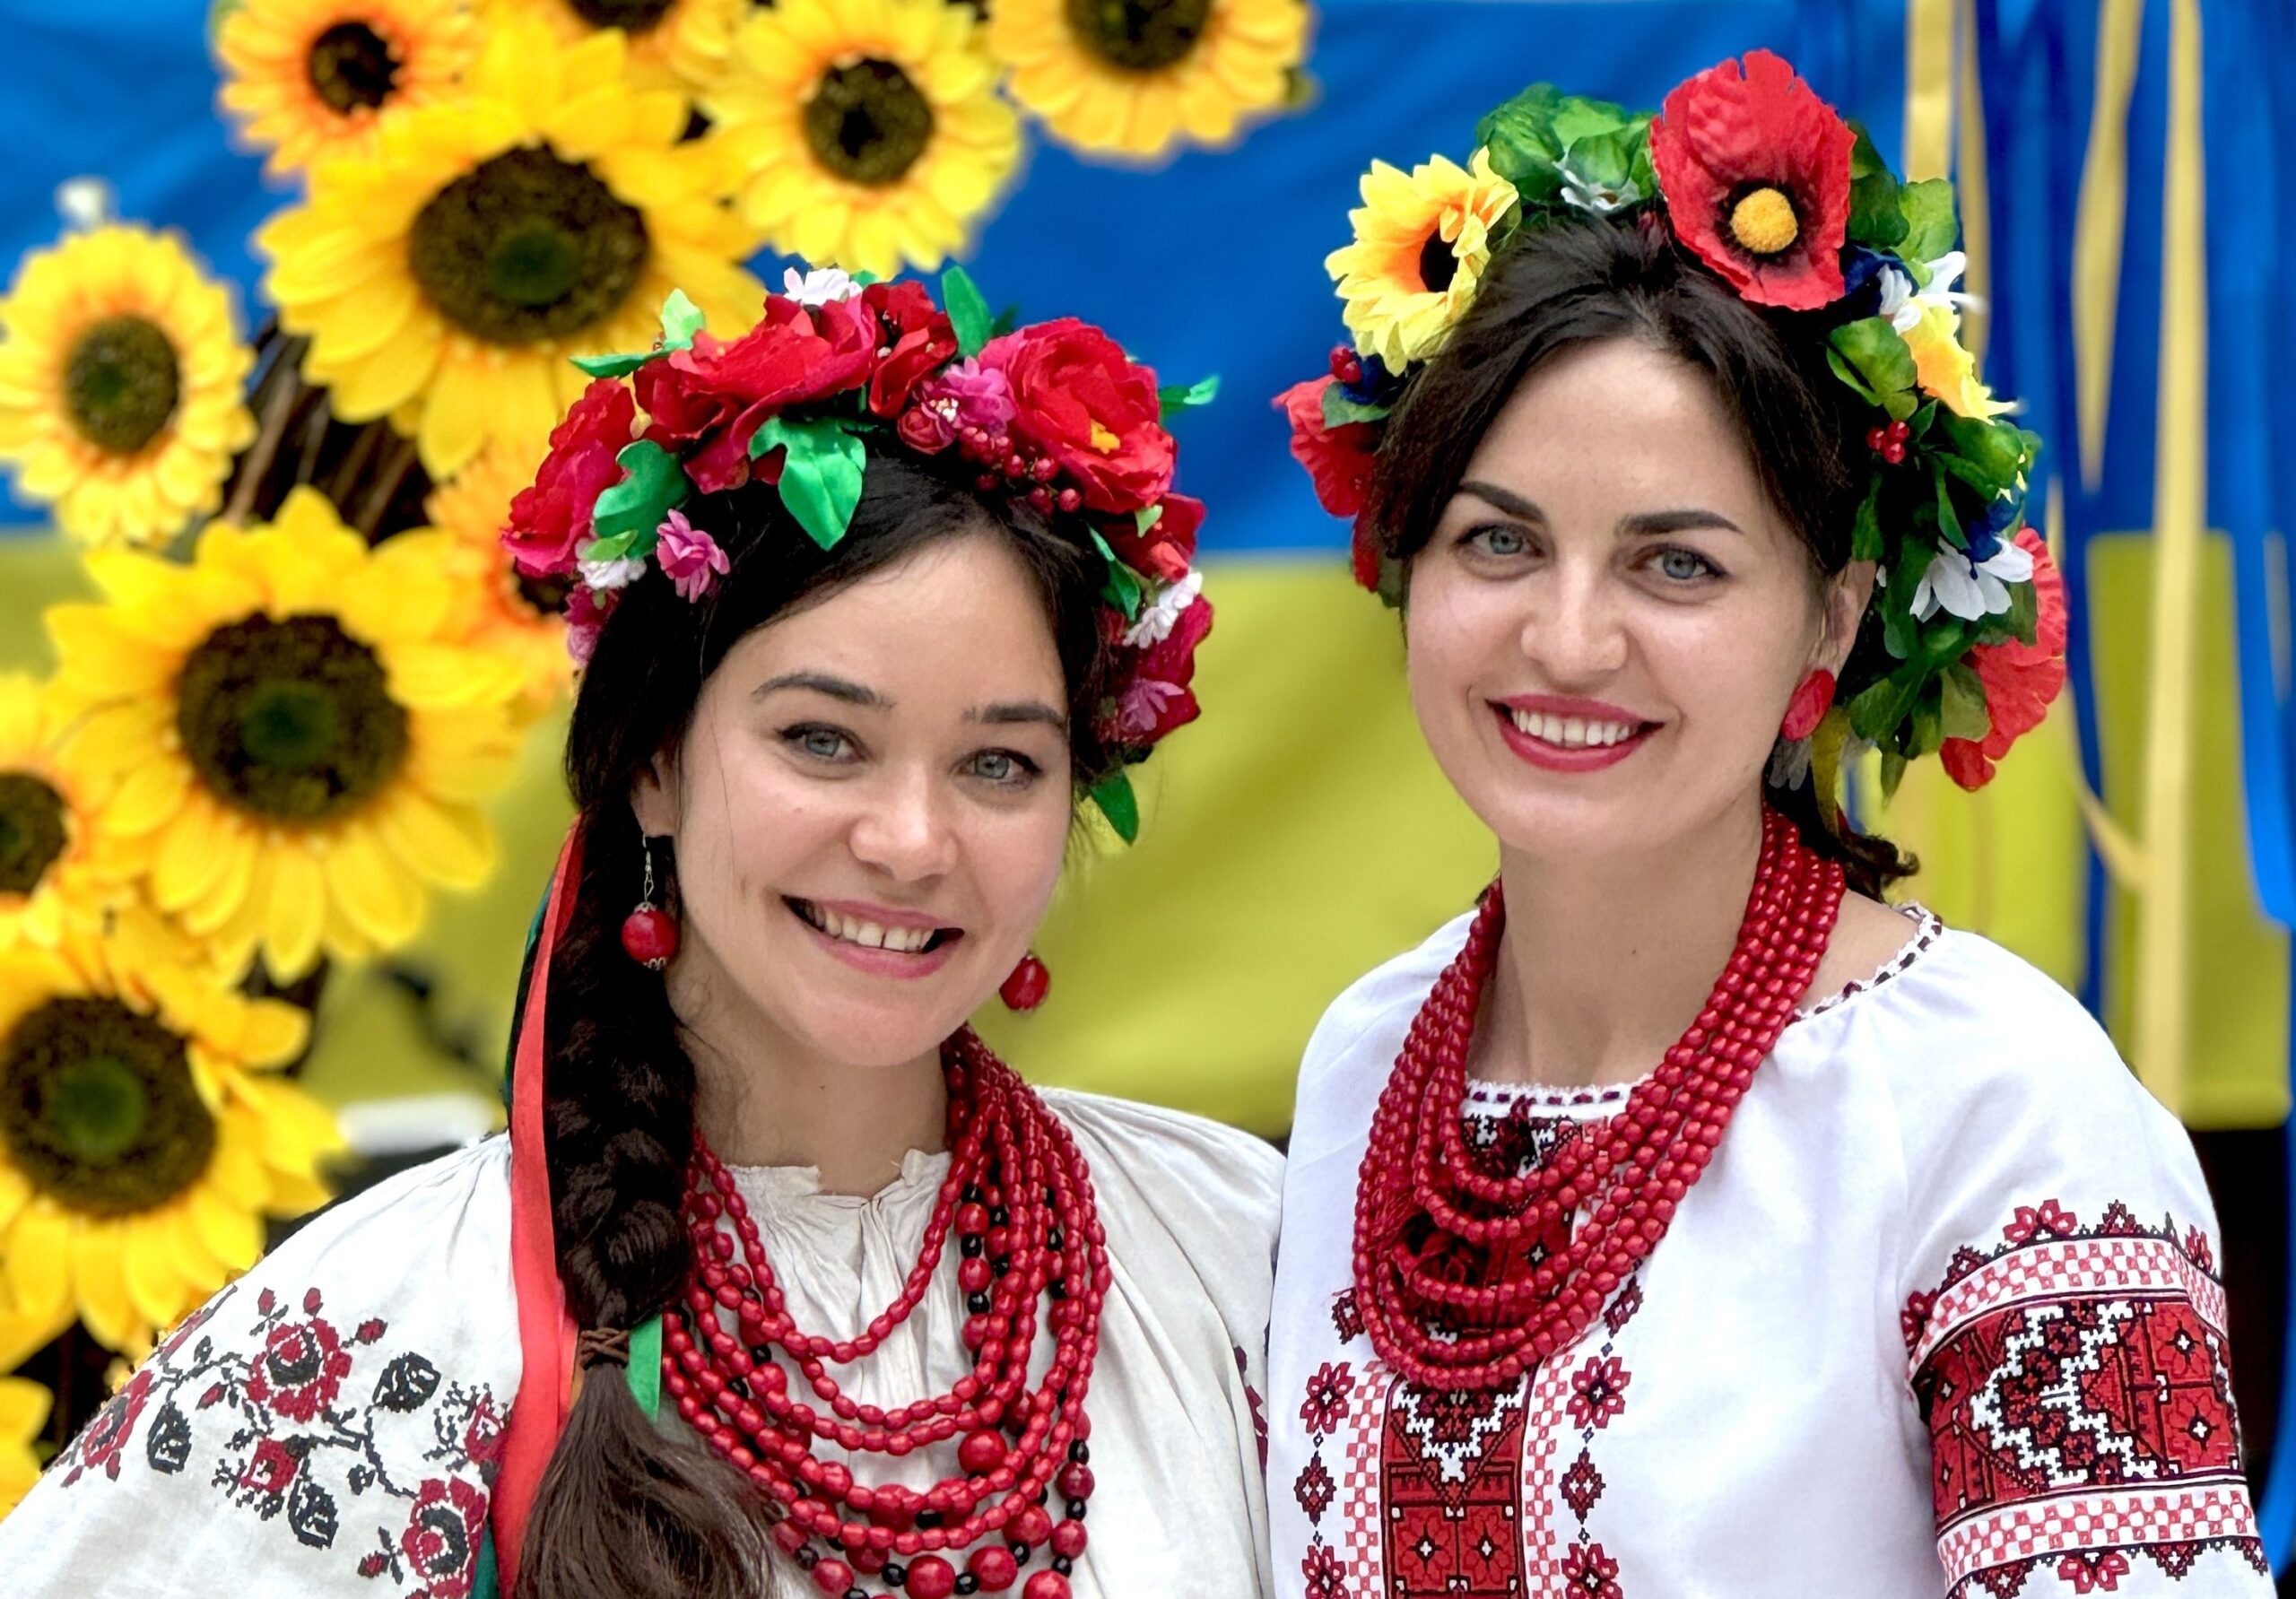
(297, 738)
(869, 133)
(122, 375)
(546, 213)
(145, 1136)
(24, 1412)
(53, 843)
(1422, 240)
(1943, 368)
(519, 617)
(1134, 77)
(674, 44)
(311, 79)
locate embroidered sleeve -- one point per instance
(330, 1424)
(2065, 1347)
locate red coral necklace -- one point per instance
(1019, 1201)
(1446, 1277)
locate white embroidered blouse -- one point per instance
(330, 1424)
(1940, 1318)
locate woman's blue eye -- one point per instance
(1685, 566)
(1499, 540)
(824, 743)
(1002, 766)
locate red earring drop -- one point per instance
(650, 934)
(1808, 707)
(1025, 989)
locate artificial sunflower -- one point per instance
(674, 44)
(53, 843)
(121, 381)
(1421, 242)
(502, 610)
(296, 737)
(143, 1136)
(1133, 77)
(24, 1412)
(309, 79)
(870, 132)
(548, 213)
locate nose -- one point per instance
(904, 833)
(1574, 632)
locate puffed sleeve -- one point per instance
(327, 1425)
(2063, 1316)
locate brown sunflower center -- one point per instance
(632, 16)
(352, 67)
(31, 832)
(98, 1108)
(867, 121)
(1144, 35)
(293, 720)
(1763, 222)
(527, 247)
(121, 383)
(1437, 265)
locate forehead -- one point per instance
(1619, 421)
(959, 620)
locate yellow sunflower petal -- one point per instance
(297, 915)
(233, 1235)
(39, 1254)
(155, 1282)
(99, 1279)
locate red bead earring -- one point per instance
(1808, 707)
(1025, 989)
(650, 934)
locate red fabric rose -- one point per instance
(1339, 459)
(918, 340)
(550, 519)
(1167, 548)
(1078, 400)
(1156, 697)
(1724, 135)
(2020, 679)
(719, 393)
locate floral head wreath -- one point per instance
(1761, 180)
(1053, 415)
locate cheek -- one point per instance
(1457, 637)
(1016, 858)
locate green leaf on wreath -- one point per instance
(1930, 228)
(1113, 794)
(1124, 586)
(1962, 701)
(821, 473)
(1886, 367)
(1865, 540)
(1339, 410)
(1949, 520)
(1875, 713)
(680, 320)
(652, 481)
(1176, 398)
(968, 311)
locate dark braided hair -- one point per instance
(626, 1509)
(1568, 282)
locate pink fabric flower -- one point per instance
(585, 615)
(967, 395)
(690, 559)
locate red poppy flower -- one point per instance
(1078, 399)
(718, 394)
(550, 519)
(1755, 171)
(1167, 548)
(1339, 459)
(2021, 679)
(918, 341)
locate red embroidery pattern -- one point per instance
(1450, 1478)
(291, 1450)
(2080, 1405)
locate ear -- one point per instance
(1848, 594)
(654, 797)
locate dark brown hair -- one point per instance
(1559, 284)
(626, 1508)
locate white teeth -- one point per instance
(1572, 732)
(904, 941)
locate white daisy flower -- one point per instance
(1970, 589)
(1160, 615)
(619, 573)
(819, 286)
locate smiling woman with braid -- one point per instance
(782, 1284)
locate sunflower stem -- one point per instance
(385, 486)
(255, 464)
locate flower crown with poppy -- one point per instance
(1053, 415)
(1791, 206)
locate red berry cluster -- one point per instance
(1006, 470)
(1888, 440)
(1345, 364)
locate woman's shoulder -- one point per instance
(1131, 1143)
(1377, 1008)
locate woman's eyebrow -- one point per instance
(823, 682)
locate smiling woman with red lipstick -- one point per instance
(783, 1285)
(1685, 1218)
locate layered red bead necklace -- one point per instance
(1449, 1278)
(1020, 1202)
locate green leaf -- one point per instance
(1900, 629)
(1339, 410)
(1893, 767)
(1865, 156)
(1930, 228)
(1963, 703)
(2024, 617)
(1865, 540)
(1924, 728)
(1874, 714)
(821, 474)
(1113, 794)
(2001, 450)
(1146, 518)
(1531, 137)
(680, 320)
(1177, 397)
(1006, 321)
(1124, 587)
(652, 483)
(968, 310)
(1877, 351)
(1849, 374)
(1949, 520)
(1875, 218)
